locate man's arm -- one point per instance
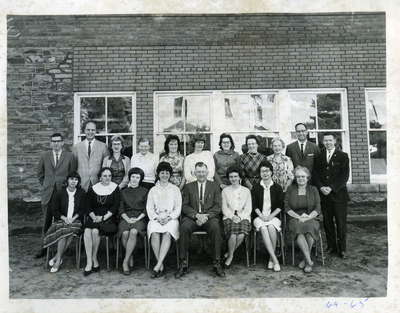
(341, 180)
(187, 209)
(40, 170)
(215, 210)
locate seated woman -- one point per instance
(267, 199)
(103, 201)
(68, 208)
(164, 204)
(302, 204)
(132, 212)
(236, 210)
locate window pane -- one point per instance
(93, 108)
(377, 152)
(170, 114)
(119, 117)
(328, 106)
(303, 109)
(339, 140)
(377, 109)
(248, 112)
(197, 112)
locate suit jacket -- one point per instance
(127, 165)
(212, 200)
(257, 197)
(88, 168)
(60, 203)
(334, 174)
(311, 152)
(52, 176)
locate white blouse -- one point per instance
(148, 163)
(71, 203)
(164, 201)
(190, 162)
(236, 200)
(266, 209)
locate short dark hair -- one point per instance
(105, 169)
(168, 140)
(143, 139)
(252, 137)
(138, 171)
(233, 169)
(198, 137)
(225, 135)
(163, 166)
(266, 164)
(57, 135)
(329, 134)
(73, 174)
(87, 122)
(200, 164)
(301, 123)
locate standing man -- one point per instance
(54, 166)
(302, 152)
(201, 210)
(90, 154)
(330, 176)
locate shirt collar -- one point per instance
(264, 186)
(302, 143)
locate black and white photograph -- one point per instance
(198, 155)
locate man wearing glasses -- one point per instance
(302, 152)
(54, 166)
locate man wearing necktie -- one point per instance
(201, 210)
(53, 168)
(90, 154)
(302, 152)
(330, 175)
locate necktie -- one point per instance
(329, 156)
(302, 149)
(56, 158)
(201, 196)
(89, 149)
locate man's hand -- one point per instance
(325, 190)
(201, 219)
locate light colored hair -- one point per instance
(117, 138)
(278, 139)
(304, 169)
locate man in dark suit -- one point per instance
(53, 168)
(201, 210)
(330, 175)
(302, 152)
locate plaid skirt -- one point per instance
(243, 227)
(59, 230)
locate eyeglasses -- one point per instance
(55, 141)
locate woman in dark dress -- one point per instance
(68, 208)
(302, 204)
(103, 202)
(133, 213)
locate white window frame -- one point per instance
(374, 178)
(77, 114)
(282, 100)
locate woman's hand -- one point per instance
(132, 220)
(236, 219)
(65, 220)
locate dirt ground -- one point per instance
(363, 274)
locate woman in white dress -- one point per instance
(164, 204)
(267, 198)
(236, 210)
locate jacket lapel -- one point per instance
(196, 196)
(84, 150)
(60, 158)
(51, 157)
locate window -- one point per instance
(113, 113)
(375, 99)
(266, 113)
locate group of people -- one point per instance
(168, 198)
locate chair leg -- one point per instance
(117, 254)
(293, 252)
(282, 248)
(108, 254)
(322, 249)
(254, 247)
(247, 243)
(148, 253)
(47, 257)
(145, 251)
(177, 253)
(78, 261)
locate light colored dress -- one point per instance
(190, 162)
(176, 163)
(283, 170)
(163, 202)
(266, 210)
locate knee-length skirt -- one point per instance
(123, 225)
(107, 228)
(295, 227)
(171, 227)
(243, 227)
(59, 230)
(258, 223)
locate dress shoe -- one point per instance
(307, 269)
(277, 267)
(96, 269)
(218, 270)
(87, 273)
(154, 274)
(343, 255)
(302, 264)
(40, 254)
(183, 270)
(126, 272)
(331, 251)
(270, 265)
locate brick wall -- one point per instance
(148, 53)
